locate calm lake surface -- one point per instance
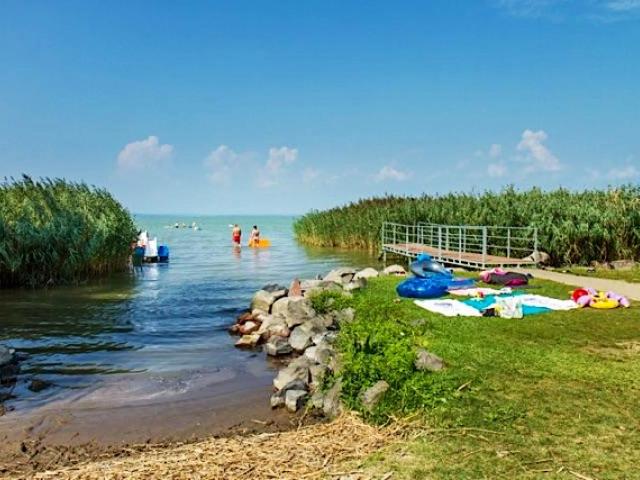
(161, 328)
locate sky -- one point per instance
(284, 106)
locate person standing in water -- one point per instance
(254, 237)
(236, 235)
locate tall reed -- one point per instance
(54, 232)
(574, 227)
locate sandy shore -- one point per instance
(120, 414)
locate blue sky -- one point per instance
(285, 106)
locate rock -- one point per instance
(290, 373)
(366, 273)
(295, 385)
(295, 289)
(397, 270)
(257, 313)
(317, 373)
(248, 341)
(245, 317)
(273, 288)
(6, 355)
(542, 258)
(263, 299)
(428, 361)
(300, 338)
(355, 285)
(341, 276)
(331, 405)
(270, 321)
(373, 395)
(248, 327)
(317, 286)
(295, 399)
(295, 310)
(276, 346)
(319, 354)
(234, 329)
(344, 316)
(317, 400)
(277, 399)
(38, 385)
(624, 264)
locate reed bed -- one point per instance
(55, 232)
(329, 450)
(574, 227)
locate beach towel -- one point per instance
(449, 307)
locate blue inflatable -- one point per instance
(417, 287)
(431, 280)
(425, 266)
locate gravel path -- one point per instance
(629, 290)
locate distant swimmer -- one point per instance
(236, 235)
(254, 237)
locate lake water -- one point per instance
(160, 329)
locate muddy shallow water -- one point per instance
(146, 355)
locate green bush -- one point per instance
(573, 227)
(54, 232)
(329, 300)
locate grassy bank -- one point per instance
(532, 398)
(54, 232)
(574, 227)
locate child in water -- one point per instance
(254, 238)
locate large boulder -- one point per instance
(273, 325)
(248, 327)
(355, 284)
(428, 361)
(317, 373)
(248, 341)
(341, 276)
(294, 400)
(397, 270)
(366, 273)
(300, 338)
(295, 310)
(319, 353)
(372, 395)
(295, 289)
(541, 258)
(289, 374)
(624, 264)
(277, 346)
(264, 299)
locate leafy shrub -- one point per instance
(329, 300)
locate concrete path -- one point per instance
(629, 290)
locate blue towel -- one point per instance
(486, 302)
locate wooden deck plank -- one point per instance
(454, 257)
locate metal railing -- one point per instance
(467, 245)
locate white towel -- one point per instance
(547, 302)
(448, 308)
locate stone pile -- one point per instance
(285, 323)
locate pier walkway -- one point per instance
(462, 245)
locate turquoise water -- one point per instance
(165, 323)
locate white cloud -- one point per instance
(278, 160)
(390, 173)
(623, 5)
(220, 163)
(143, 154)
(495, 150)
(497, 169)
(279, 157)
(625, 173)
(538, 156)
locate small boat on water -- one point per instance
(147, 250)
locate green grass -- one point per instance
(574, 227)
(632, 275)
(55, 232)
(556, 391)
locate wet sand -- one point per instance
(122, 416)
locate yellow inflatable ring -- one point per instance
(604, 303)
